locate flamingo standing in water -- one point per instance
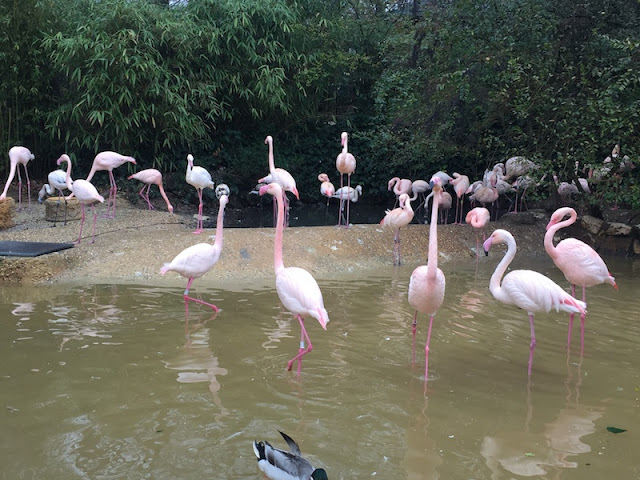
(108, 161)
(580, 264)
(18, 156)
(396, 219)
(531, 291)
(478, 218)
(149, 177)
(199, 178)
(57, 182)
(460, 186)
(282, 178)
(194, 261)
(86, 194)
(297, 289)
(346, 165)
(427, 283)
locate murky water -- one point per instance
(106, 382)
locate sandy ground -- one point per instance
(132, 247)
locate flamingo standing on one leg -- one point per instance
(478, 218)
(346, 165)
(579, 263)
(531, 291)
(419, 188)
(57, 182)
(400, 186)
(149, 177)
(297, 289)
(200, 179)
(282, 178)
(427, 283)
(108, 161)
(396, 219)
(326, 187)
(460, 186)
(194, 261)
(18, 156)
(346, 195)
(86, 194)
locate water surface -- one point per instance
(111, 381)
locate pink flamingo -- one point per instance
(18, 156)
(297, 289)
(86, 194)
(200, 179)
(486, 194)
(460, 186)
(108, 161)
(326, 187)
(194, 261)
(149, 177)
(478, 218)
(346, 165)
(282, 178)
(427, 283)
(579, 263)
(531, 291)
(396, 219)
(57, 182)
(400, 186)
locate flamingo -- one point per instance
(531, 291)
(108, 161)
(419, 188)
(326, 187)
(18, 156)
(478, 218)
(522, 184)
(579, 263)
(460, 186)
(200, 179)
(396, 219)
(427, 283)
(281, 177)
(86, 194)
(346, 165)
(281, 465)
(399, 186)
(57, 182)
(297, 289)
(485, 193)
(444, 205)
(348, 195)
(194, 261)
(149, 177)
(517, 167)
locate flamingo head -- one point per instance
(323, 177)
(558, 215)
(343, 138)
(63, 158)
(190, 160)
(403, 199)
(268, 140)
(435, 183)
(294, 190)
(273, 189)
(498, 236)
(392, 182)
(223, 200)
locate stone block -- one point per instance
(57, 205)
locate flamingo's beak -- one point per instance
(487, 245)
(295, 192)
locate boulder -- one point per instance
(54, 209)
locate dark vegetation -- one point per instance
(455, 85)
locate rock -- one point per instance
(636, 247)
(521, 218)
(7, 212)
(616, 229)
(620, 216)
(591, 224)
(54, 208)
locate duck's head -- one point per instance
(319, 474)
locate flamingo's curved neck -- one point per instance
(496, 278)
(278, 263)
(548, 236)
(272, 164)
(68, 177)
(12, 173)
(164, 195)
(219, 225)
(189, 169)
(432, 264)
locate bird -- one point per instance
(18, 156)
(200, 179)
(346, 165)
(396, 219)
(427, 282)
(194, 261)
(444, 206)
(529, 290)
(419, 188)
(297, 289)
(86, 194)
(326, 187)
(57, 182)
(486, 193)
(521, 184)
(399, 186)
(149, 177)
(580, 264)
(518, 166)
(460, 186)
(478, 218)
(108, 160)
(282, 178)
(346, 195)
(281, 465)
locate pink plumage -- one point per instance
(478, 218)
(18, 156)
(109, 160)
(149, 177)
(199, 178)
(396, 219)
(346, 165)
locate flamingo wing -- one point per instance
(300, 294)
(534, 292)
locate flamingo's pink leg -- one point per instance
(532, 345)
(199, 223)
(426, 351)
(95, 219)
(303, 351)
(414, 327)
(81, 224)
